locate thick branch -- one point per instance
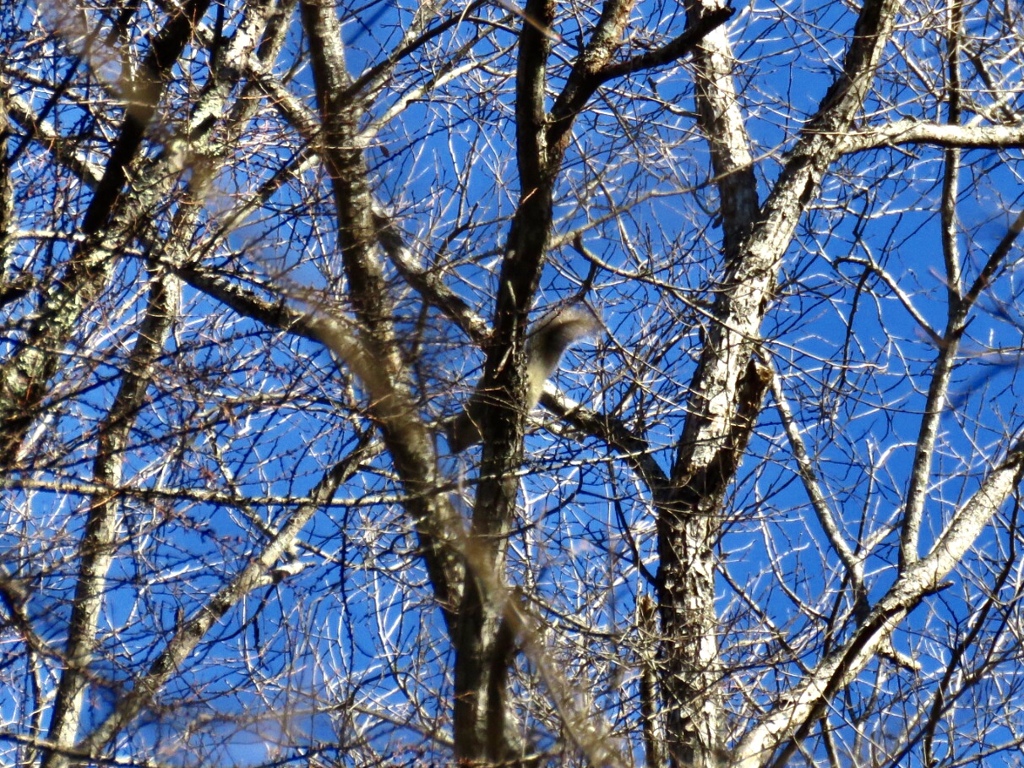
(728, 385)
(144, 97)
(673, 50)
(904, 132)
(24, 377)
(373, 351)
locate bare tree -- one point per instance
(256, 257)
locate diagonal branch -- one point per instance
(188, 635)
(728, 386)
(826, 517)
(674, 49)
(794, 714)
(103, 518)
(434, 518)
(108, 218)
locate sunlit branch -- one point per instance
(797, 709)
(899, 293)
(826, 517)
(906, 132)
(188, 635)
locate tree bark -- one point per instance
(25, 376)
(728, 386)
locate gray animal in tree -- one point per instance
(548, 338)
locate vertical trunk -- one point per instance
(654, 736)
(482, 732)
(689, 524)
(486, 647)
(103, 521)
(484, 650)
(729, 384)
(690, 663)
(392, 406)
(726, 386)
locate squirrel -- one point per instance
(549, 337)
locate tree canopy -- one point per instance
(256, 257)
